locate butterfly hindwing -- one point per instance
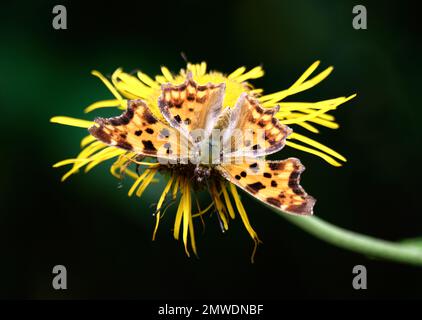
(277, 183)
(253, 130)
(190, 106)
(139, 131)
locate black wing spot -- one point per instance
(148, 145)
(254, 167)
(177, 118)
(255, 187)
(262, 124)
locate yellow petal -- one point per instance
(203, 68)
(167, 74)
(320, 154)
(255, 73)
(66, 162)
(87, 140)
(146, 182)
(236, 73)
(178, 220)
(307, 73)
(147, 80)
(159, 205)
(320, 146)
(102, 104)
(186, 214)
(245, 219)
(242, 212)
(227, 200)
(137, 182)
(74, 122)
(219, 206)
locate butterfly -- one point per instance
(197, 133)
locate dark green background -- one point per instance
(104, 238)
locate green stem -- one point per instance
(356, 242)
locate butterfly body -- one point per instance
(201, 173)
(201, 139)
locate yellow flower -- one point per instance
(126, 86)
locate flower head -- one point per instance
(225, 200)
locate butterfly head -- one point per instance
(202, 173)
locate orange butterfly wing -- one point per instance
(253, 130)
(189, 106)
(138, 130)
(277, 183)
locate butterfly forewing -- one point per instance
(253, 130)
(191, 107)
(139, 131)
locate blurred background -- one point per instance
(103, 237)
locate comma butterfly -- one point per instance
(198, 135)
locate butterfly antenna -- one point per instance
(219, 219)
(184, 57)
